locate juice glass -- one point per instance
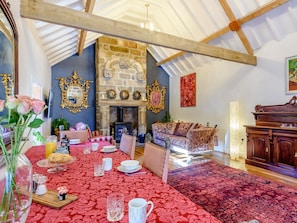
(50, 145)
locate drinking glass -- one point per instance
(115, 207)
(50, 145)
(98, 169)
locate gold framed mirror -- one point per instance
(8, 52)
(156, 97)
(74, 93)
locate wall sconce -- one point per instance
(234, 130)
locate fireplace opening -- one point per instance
(121, 124)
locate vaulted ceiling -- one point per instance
(242, 26)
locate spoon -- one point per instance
(130, 174)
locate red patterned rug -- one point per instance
(233, 195)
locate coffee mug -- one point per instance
(94, 146)
(107, 163)
(138, 210)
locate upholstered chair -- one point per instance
(127, 145)
(83, 135)
(156, 159)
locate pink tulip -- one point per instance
(38, 106)
(2, 103)
(24, 106)
(11, 102)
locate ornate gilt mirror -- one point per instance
(74, 93)
(8, 52)
(156, 97)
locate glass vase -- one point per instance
(15, 188)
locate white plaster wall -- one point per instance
(33, 64)
(222, 81)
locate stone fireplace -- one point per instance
(120, 67)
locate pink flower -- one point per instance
(2, 103)
(24, 106)
(38, 106)
(11, 102)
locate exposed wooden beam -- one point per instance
(180, 53)
(83, 33)
(239, 31)
(258, 12)
(40, 10)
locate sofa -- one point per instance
(184, 137)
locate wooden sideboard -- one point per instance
(272, 142)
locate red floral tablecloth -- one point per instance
(170, 205)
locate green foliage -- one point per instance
(167, 117)
(60, 121)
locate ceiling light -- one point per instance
(147, 24)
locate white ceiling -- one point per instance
(189, 19)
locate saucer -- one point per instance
(121, 169)
(108, 151)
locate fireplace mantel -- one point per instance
(128, 103)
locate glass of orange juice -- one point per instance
(50, 145)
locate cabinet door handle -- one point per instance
(267, 150)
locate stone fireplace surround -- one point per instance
(120, 65)
(105, 113)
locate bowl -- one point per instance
(130, 164)
(108, 148)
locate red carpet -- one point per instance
(233, 195)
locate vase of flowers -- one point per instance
(21, 116)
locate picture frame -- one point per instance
(188, 90)
(291, 75)
(156, 97)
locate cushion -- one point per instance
(182, 128)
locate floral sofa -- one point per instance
(184, 137)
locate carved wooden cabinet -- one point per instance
(272, 142)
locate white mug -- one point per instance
(107, 163)
(137, 210)
(94, 146)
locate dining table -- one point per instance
(170, 206)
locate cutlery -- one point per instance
(131, 174)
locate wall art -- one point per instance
(188, 90)
(291, 75)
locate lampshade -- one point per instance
(234, 130)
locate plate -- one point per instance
(109, 150)
(74, 141)
(121, 169)
(46, 163)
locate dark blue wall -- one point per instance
(156, 73)
(85, 68)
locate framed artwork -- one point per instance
(156, 97)
(291, 75)
(188, 90)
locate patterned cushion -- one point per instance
(182, 128)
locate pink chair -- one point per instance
(83, 135)
(156, 159)
(127, 145)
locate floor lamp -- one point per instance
(234, 130)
